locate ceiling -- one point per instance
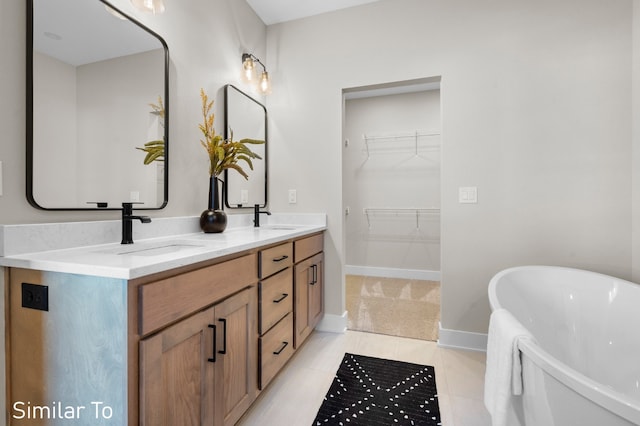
(78, 32)
(275, 11)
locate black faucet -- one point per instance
(256, 215)
(127, 222)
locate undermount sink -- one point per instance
(280, 227)
(150, 249)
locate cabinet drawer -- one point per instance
(309, 246)
(276, 347)
(276, 299)
(165, 301)
(275, 259)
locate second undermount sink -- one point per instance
(151, 249)
(280, 227)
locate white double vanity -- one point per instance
(182, 328)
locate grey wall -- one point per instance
(536, 112)
(635, 198)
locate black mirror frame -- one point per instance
(227, 135)
(29, 115)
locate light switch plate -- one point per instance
(468, 194)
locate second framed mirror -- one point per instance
(246, 118)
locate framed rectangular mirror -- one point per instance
(246, 118)
(97, 90)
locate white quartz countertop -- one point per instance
(152, 255)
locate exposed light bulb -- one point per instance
(248, 70)
(265, 83)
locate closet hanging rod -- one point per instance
(397, 211)
(399, 136)
(415, 135)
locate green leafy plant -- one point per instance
(155, 149)
(224, 153)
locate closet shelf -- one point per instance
(370, 141)
(369, 212)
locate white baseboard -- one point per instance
(457, 339)
(333, 323)
(411, 274)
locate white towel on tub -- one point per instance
(503, 376)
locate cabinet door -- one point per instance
(316, 291)
(177, 373)
(309, 305)
(237, 381)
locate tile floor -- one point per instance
(295, 395)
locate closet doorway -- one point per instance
(391, 195)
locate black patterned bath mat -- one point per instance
(372, 391)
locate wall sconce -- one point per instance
(249, 74)
(153, 6)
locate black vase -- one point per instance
(213, 219)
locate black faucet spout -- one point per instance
(256, 215)
(127, 222)
(143, 219)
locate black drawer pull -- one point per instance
(284, 345)
(214, 343)
(281, 258)
(284, 296)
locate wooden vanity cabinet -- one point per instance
(189, 346)
(308, 286)
(200, 370)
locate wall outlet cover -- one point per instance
(35, 296)
(468, 194)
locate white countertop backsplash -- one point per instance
(93, 248)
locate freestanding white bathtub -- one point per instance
(585, 368)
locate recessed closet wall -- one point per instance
(391, 184)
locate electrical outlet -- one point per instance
(244, 196)
(293, 196)
(134, 196)
(35, 296)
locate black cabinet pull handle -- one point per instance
(281, 258)
(224, 336)
(214, 343)
(314, 274)
(284, 296)
(284, 345)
